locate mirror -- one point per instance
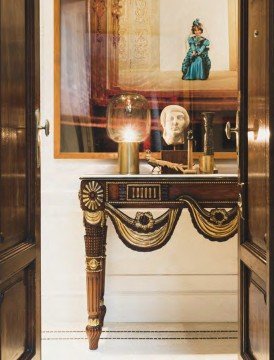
(107, 47)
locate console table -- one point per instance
(210, 199)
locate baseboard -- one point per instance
(150, 299)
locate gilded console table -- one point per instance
(103, 196)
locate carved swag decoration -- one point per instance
(146, 233)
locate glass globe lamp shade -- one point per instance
(128, 124)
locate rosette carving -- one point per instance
(92, 195)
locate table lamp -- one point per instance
(128, 124)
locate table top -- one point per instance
(161, 177)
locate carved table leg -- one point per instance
(103, 308)
(95, 240)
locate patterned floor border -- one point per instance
(135, 335)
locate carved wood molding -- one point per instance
(99, 7)
(144, 233)
(92, 196)
(216, 224)
(116, 12)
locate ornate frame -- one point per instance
(104, 84)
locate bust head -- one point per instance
(174, 120)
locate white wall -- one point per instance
(191, 279)
(176, 18)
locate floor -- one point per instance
(146, 341)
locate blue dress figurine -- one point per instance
(197, 64)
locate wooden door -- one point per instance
(256, 180)
(19, 181)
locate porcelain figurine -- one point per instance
(174, 120)
(197, 64)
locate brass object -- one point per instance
(46, 127)
(208, 136)
(190, 150)
(93, 322)
(94, 264)
(144, 220)
(92, 195)
(206, 164)
(139, 192)
(181, 168)
(94, 218)
(128, 158)
(229, 130)
(218, 216)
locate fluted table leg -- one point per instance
(95, 241)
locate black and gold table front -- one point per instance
(104, 195)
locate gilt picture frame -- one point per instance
(119, 51)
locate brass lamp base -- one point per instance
(207, 164)
(128, 158)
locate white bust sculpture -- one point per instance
(174, 120)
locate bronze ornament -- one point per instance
(92, 195)
(215, 225)
(94, 264)
(93, 322)
(218, 216)
(144, 221)
(144, 238)
(144, 233)
(94, 218)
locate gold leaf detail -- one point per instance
(92, 195)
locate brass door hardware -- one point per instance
(256, 33)
(229, 130)
(46, 127)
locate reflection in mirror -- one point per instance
(110, 47)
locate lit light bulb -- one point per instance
(129, 134)
(128, 123)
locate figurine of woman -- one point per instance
(197, 64)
